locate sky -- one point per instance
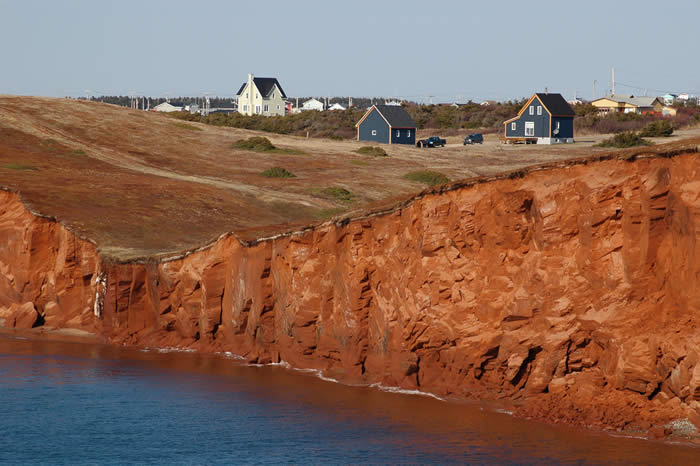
(451, 50)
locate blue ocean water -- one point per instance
(71, 403)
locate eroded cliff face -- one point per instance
(573, 291)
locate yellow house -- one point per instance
(261, 96)
(628, 104)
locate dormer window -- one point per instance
(539, 110)
(532, 109)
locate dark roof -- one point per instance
(396, 116)
(556, 104)
(265, 86)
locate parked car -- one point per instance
(432, 141)
(476, 138)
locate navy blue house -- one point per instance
(388, 124)
(545, 119)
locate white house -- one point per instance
(312, 104)
(261, 96)
(336, 106)
(168, 107)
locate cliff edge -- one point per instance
(571, 291)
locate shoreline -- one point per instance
(506, 407)
(266, 303)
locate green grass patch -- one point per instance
(428, 177)
(625, 140)
(374, 151)
(262, 144)
(278, 172)
(49, 144)
(325, 214)
(18, 166)
(337, 194)
(188, 127)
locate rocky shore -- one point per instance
(572, 292)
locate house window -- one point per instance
(245, 108)
(266, 108)
(257, 109)
(539, 110)
(529, 128)
(408, 133)
(278, 107)
(398, 133)
(273, 94)
(512, 126)
(246, 95)
(532, 109)
(374, 132)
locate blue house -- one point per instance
(544, 119)
(388, 124)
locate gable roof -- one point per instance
(396, 116)
(265, 86)
(556, 104)
(630, 99)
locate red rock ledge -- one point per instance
(573, 291)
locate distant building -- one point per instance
(168, 107)
(669, 111)
(669, 98)
(387, 124)
(628, 104)
(336, 106)
(488, 102)
(261, 96)
(545, 119)
(312, 104)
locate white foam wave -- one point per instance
(168, 349)
(403, 391)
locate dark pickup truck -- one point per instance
(432, 141)
(476, 138)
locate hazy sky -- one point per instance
(408, 49)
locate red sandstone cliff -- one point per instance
(574, 291)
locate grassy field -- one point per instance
(141, 184)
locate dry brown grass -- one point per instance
(140, 185)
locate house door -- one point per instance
(529, 128)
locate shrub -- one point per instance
(626, 139)
(336, 193)
(256, 144)
(428, 177)
(372, 150)
(278, 172)
(658, 128)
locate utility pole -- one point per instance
(594, 83)
(613, 81)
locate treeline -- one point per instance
(588, 120)
(330, 124)
(470, 117)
